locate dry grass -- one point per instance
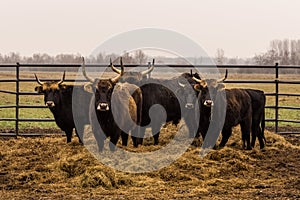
(47, 167)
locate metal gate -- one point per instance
(18, 68)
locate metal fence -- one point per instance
(18, 68)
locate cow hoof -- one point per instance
(196, 143)
(262, 147)
(135, 145)
(233, 144)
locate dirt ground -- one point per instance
(48, 168)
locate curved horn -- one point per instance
(180, 84)
(84, 72)
(149, 70)
(116, 79)
(114, 68)
(38, 80)
(63, 78)
(122, 67)
(223, 79)
(197, 80)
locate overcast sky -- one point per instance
(241, 27)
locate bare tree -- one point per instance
(220, 58)
(140, 57)
(127, 58)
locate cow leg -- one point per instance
(135, 141)
(260, 138)
(226, 133)
(255, 131)
(155, 133)
(156, 136)
(114, 139)
(124, 137)
(79, 133)
(198, 133)
(192, 129)
(141, 135)
(135, 136)
(100, 137)
(203, 131)
(245, 128)
(69, 135)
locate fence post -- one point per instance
(276, 96)
(17, 98)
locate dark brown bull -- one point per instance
(58, 98)
(238, 109)
(172, 94)
(258, 100)
(127, 104)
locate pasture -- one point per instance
(48, 168)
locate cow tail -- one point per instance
(139, 115)
(263, 124)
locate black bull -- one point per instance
(175, 95)
(117, 107)
(243, 106)
(58, 98)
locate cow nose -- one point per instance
(189, 106)
(50, 104)
(208, 103)
(103, 107)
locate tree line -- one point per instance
(137, 57)
(284, 52)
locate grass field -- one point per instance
(9, 99)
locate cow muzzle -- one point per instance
(50, 104)
(103, 107)
(208, 103)
(189, 106)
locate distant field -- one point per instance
(9, 99)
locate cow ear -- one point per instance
(198, 87)
(88, 87)
(39, 89)
(220, 86)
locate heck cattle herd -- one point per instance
(189, 97)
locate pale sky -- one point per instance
(240, 27)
